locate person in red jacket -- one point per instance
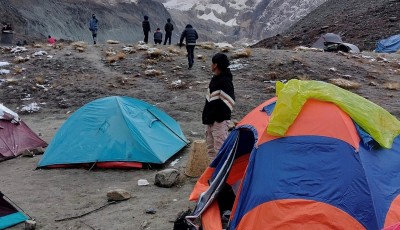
(51, 40)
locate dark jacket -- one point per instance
(168, 27)
(220, 99)
(146, 26)
(93, 24)
(190, 34)
(157, 35)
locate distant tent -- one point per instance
(388, 45)
(15, 135)
(333, 42)
(115, 132)
(329, 38)
(9, 215)
(348, 48)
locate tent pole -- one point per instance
(16, 206)
(91, 167)
(167, 126)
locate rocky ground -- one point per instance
(46, 89)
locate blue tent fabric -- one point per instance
(388, 45)
(115, 129)
(9, 215)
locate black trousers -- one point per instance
(168, 36)
(146, 36)
(190, 51)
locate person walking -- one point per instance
(168, 31)
(220, 100)
(93, 27)
(146, 29)
(157, 36)
(190, 34)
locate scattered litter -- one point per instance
(371, 59)
(151, 211)
(176, 83)
(237, 66)
(304, 48)
(382, 59)
(30, 108)
(223, 45)
(175, 200)
(152, 72)
(274, 82)
(4, 63)
(4, 71)
(193, 132)
(39, 53)
(142, 182)
(49, 56)
(128, 49)
(112, 42)
(143, 47)
(42, 87)
(173, 163)
(18, 49)
(333, 69)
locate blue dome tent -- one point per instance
(115, 132)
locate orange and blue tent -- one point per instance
(314, 157)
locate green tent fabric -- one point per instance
(375, 120)
(115, 129)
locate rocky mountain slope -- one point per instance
(232, 20)
(68, 19)
(361, 22)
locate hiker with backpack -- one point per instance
(168, 31)
(146, 29)
(93, 27)
(218, 107)
(190, 34)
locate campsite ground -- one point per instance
(62, 83)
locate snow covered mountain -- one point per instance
(239, 19)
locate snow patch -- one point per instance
(30, 108)
(180, 5)
(4, 71)
(211, 16)
(4, 63)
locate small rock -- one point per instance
(142, 182)
(151, 211)
(118, 195)
(27, 153)
(30, 225)
(38, 150)
(166, 178)
(324, 27)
